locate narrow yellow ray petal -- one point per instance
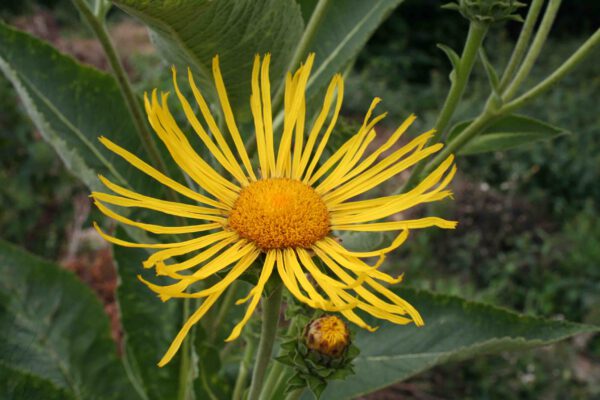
(397, 242)
(398, 225)
(369, 180)
(389, 143)
(354, 264)
(332, 122)
(296, 267)
(196, 316)
(240, 267)
(192, 245)
(222, 153)
(416, 317)
(164, 208)
(126, 243)
(400, 200)
(159, 202)
(259, 126)
(398, 204)
(168, 122)
(229, 118)
(318, 124)
(265, 86)
(171, 270)
(159, 176)
(186, 158)
(296, 105)
(256, 293)
(158, 229)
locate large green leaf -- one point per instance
(54, 333)
(191, 32)
(455, 329)
(506, 133)
(344, 28)
(149, 326)
(71, 105)
(18, 385)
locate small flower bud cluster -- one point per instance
(487, 11)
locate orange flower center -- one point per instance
(280, 213)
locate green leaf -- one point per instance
(17, 385)
(55, 332)
(149, 325)
(455, 329)
(191, 32)
(506, 133)
(491, 74)
(71, 105)
(452, 56)
(343, 30)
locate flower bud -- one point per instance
(327, 335)
(487, 11)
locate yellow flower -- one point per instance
(287, 210)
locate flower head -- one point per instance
(328, 335)
(285, 209)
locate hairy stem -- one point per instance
(270, 319)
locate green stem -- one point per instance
(473, 43)
(240, 383)
(484, 119)
(295, 395)
(534, 50)
(185, 369)
(277, 370)
(225, 307)
(584, 50)
(133, 106)
(270, 319)
(522, 43)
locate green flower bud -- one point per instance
(318, 353)
(487, 11)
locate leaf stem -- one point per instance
(534, 50)
(522, 43)
(270, 319)
(98, 27)
(473, 43)
(240, 382)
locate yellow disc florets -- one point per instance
(280, 213)
(328, 335)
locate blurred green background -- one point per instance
(528, 239)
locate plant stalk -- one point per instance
(473, 43)
(270, 319)
(583, 51)
(295, 395)
(522, 43)
(534, 50)
(240, 382)
(133, 106)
